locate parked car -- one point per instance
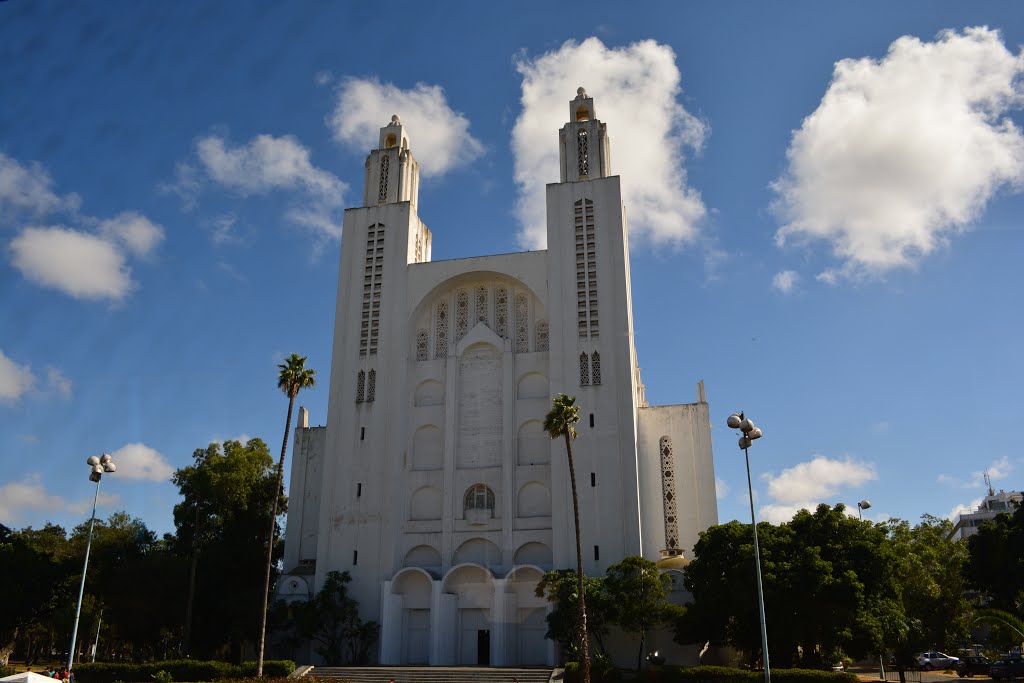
(974, 664)
(929, 661)
(1007, 668)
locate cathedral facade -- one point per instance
(434, 484)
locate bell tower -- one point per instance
(584, 149)
(392, 173)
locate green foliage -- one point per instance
(6, 671)
(833, 586)
(562, 417)
(638, 592)
(331, 621)
(561, 588)
(221, 523)
(995, 564)
(293, 376)
(177, 670)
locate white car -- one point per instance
(936, 660)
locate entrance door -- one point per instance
(483, 647)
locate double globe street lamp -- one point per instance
(98, 466)
(750, 434)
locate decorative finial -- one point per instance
(395, 120)
(581, 92)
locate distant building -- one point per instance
(967, 523)
(434, 483)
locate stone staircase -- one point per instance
(427, 674)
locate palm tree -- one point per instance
(292, 377)
(559, 422)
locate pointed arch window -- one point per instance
(371, 385)
(584, 369)
(361, 387)
(595, 367)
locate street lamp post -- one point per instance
(861, 506)
(97, 467)
(750, 434)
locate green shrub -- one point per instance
(178, 670)
(162, 677)
(6, 671)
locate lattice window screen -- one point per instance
(668, 492)
(385, 166)
(371, 385)
(595, 367)
(360, 386)
(461, 315)
(542, 335)
(583, 152)
(441, 330)
(501, 312)
(482, 296)
(422, 344)
(584, 369)
(522, 324)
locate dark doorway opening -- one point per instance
(483, 647)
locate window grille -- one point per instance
(481, 303)
(583, 152)
(668, 493)
(595, 367)
(522, 324)
(584, 369)
(441, 331)
(385, 165)
(422, 343)
(501, 312)
(479, 497)
(542, 335)
(461, 315)
(360, 386)
(371, 385)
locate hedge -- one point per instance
(719, 674)
(181, 670)
(6, 671)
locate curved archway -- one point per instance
(425, 504)
(532, 385)
(533, 446)
(416, 587)
(534, 553)
(429, 392)
(425, 557)
(427, 448)
(478, 551)
(533, 500)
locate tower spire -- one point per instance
(392, 174)
(584, 147)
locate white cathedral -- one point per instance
(434, 483)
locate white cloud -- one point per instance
(76, 263)
(222, 229)
(904, 152)
(30, 495)
(29, 190)
(265, 164)
(139, 461)
(635, 90)
(785, 281)
(721, 488)
(998, 469)
(15, 379)
(137, 233)
(961, 509)
(817, 479)
(778, 513)
(58, 382)
(439, 137)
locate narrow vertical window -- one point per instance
(482, 300)
(595, 368)
(668, 493)
(461, 315)
(584, 369)
(385, 166)
(593, 479)
(355, 557)
(522, 323)
(422, 344)
(501, 312)
(541, 332)
(592, 415)
(362, 433)
(359, 489)
(371, 385)
(597, 553)
(583, 152)
(441, 330)
(360, 386)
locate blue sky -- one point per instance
(824, 200)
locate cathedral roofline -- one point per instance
(473, 258)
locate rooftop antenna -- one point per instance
(988, 483)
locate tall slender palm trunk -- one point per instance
(270, 545)
(584, 645)
(187, 636)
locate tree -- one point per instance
(331, 620)
(560, 422)
(292, 377)
(995, 564)
(236, 484)
(638, 590)
(560, 587)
